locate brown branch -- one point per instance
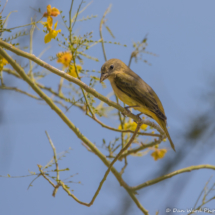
(84, 94)
(122, 131)
(56, 164)
(49, 89)
(43, 174)
(145, 146)
(20, 91)
(115, 159)
(164, 177)
(100, 31)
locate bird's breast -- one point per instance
(122, 96)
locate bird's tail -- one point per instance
(162, 123)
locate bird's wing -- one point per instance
(140, 92)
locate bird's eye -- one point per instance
(111, 67)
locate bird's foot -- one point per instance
(138, 115)
(139, 120)
(126, 111)
(127, 107)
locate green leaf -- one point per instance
(144, 40)
(109, 31)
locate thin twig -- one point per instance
(82, 10)
(73, 56)
(43, 174)
(1, 78)
(201, 192)
(49, 89)
(4, 7)
(30, 73)
(138, 149)
(136, 51)
(122, 122)
(164, 177)
(56, 163)
(21, 26)
(125, 165)
(34, 180)
(123, 131)
(60, 183)
(70, 21)
(20, 91)
(114, 160)
(30, 95)
(100, 31)
(77, 13)
(84, 94)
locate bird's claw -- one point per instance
(126, 111)
(127, 108)
(138, 115)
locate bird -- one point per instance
(134, 92)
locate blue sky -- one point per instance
(181, 34)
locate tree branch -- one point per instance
(164, 177)
(145, 146)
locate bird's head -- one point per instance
(109, 67)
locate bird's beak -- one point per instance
(103, 77)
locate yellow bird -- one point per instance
(133, 91)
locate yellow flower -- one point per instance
(129, 125)
(64, 58)
(143, 126)
(52, 34)
(3, 62)
(132, 126)
(158, 153)
(49, 23)
(71, 70)
(51, 11)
